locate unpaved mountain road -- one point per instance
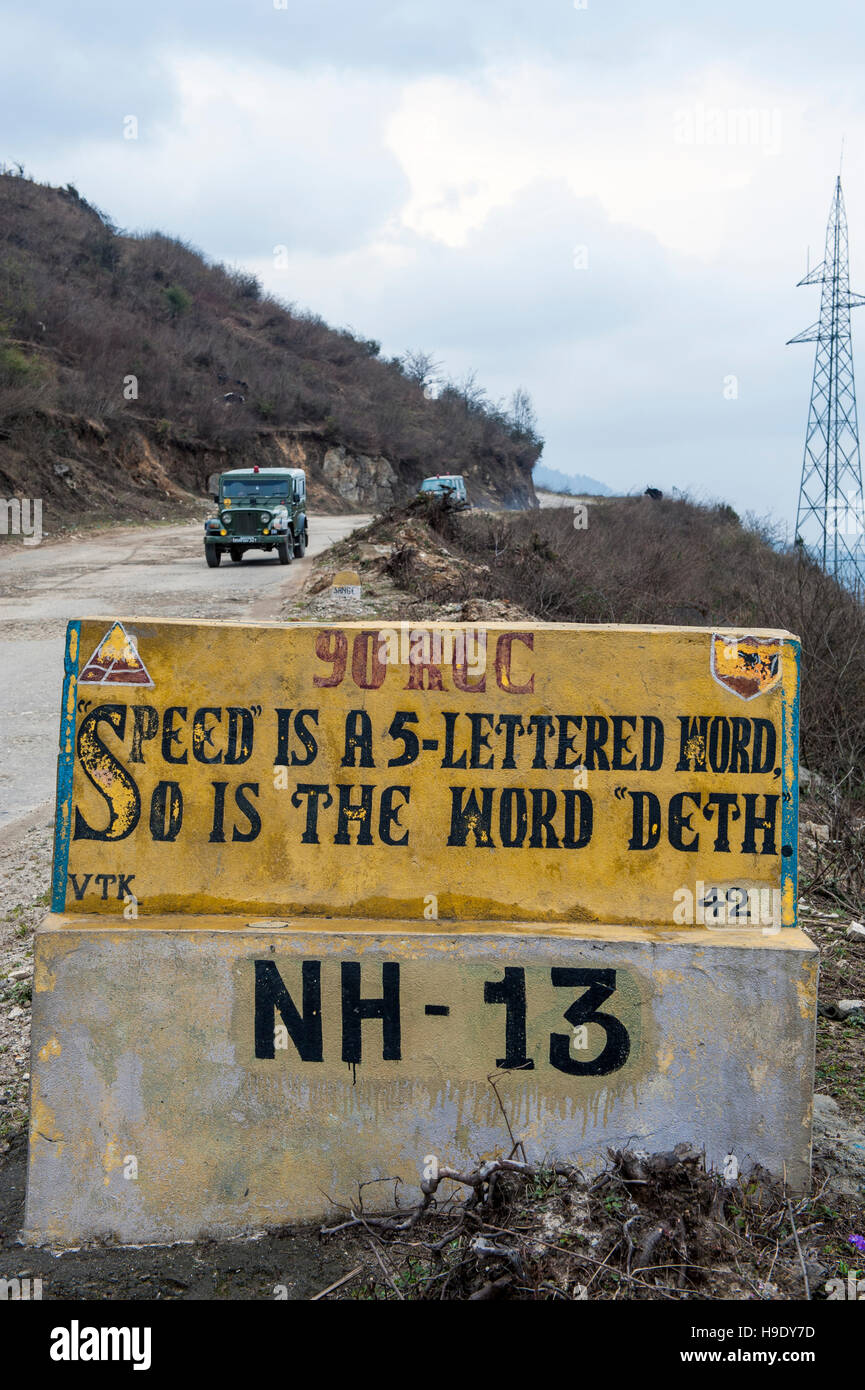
(154, 572)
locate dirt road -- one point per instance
(159, 571)
(155, 572)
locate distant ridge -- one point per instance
(553, 480)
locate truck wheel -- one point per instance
(212, 555)
(300, 544)
(236, 554)
(283, 550)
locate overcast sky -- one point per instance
(608, 202)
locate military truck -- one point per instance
(259, 509)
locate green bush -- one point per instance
(178, 300)
(15, 367)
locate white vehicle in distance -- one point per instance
(447, 485)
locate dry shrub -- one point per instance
(649, 1227)
(400, 564)
(673, 561)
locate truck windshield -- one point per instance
(255, 489)
(440, 485)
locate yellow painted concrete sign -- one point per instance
(642, 776)
(190, 1080)
(394, 863)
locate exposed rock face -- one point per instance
(130, 469)
(365, 482)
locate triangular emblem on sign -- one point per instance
(748, 666)
(116, 661)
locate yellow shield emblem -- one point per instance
(746, 665)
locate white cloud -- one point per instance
(253, 157)
(432, 170)
(626, 360)
(662, 158)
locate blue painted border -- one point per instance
(790, 809)
(65, 762)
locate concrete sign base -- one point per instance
(217, 1075)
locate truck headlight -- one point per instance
(226, 518)
(265, 517)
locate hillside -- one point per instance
(131, 369)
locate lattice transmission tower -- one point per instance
(830, 519)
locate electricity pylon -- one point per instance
(830, 519)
